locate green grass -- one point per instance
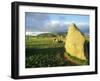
(49, 57)
(44, 52)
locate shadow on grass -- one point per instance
(48, 57)
(32, 51)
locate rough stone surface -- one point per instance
(74, 43)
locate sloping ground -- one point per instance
(75, 45)
(75, 60)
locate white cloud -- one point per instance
(34, 33)
(77, 23)
(54, 22)
(82, 23)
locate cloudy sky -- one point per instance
(48, 22)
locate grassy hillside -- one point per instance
(47, 35)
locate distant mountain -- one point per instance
(47, 35)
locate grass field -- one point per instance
(44, 52)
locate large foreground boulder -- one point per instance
(74, 42)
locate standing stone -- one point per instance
(74, 42)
